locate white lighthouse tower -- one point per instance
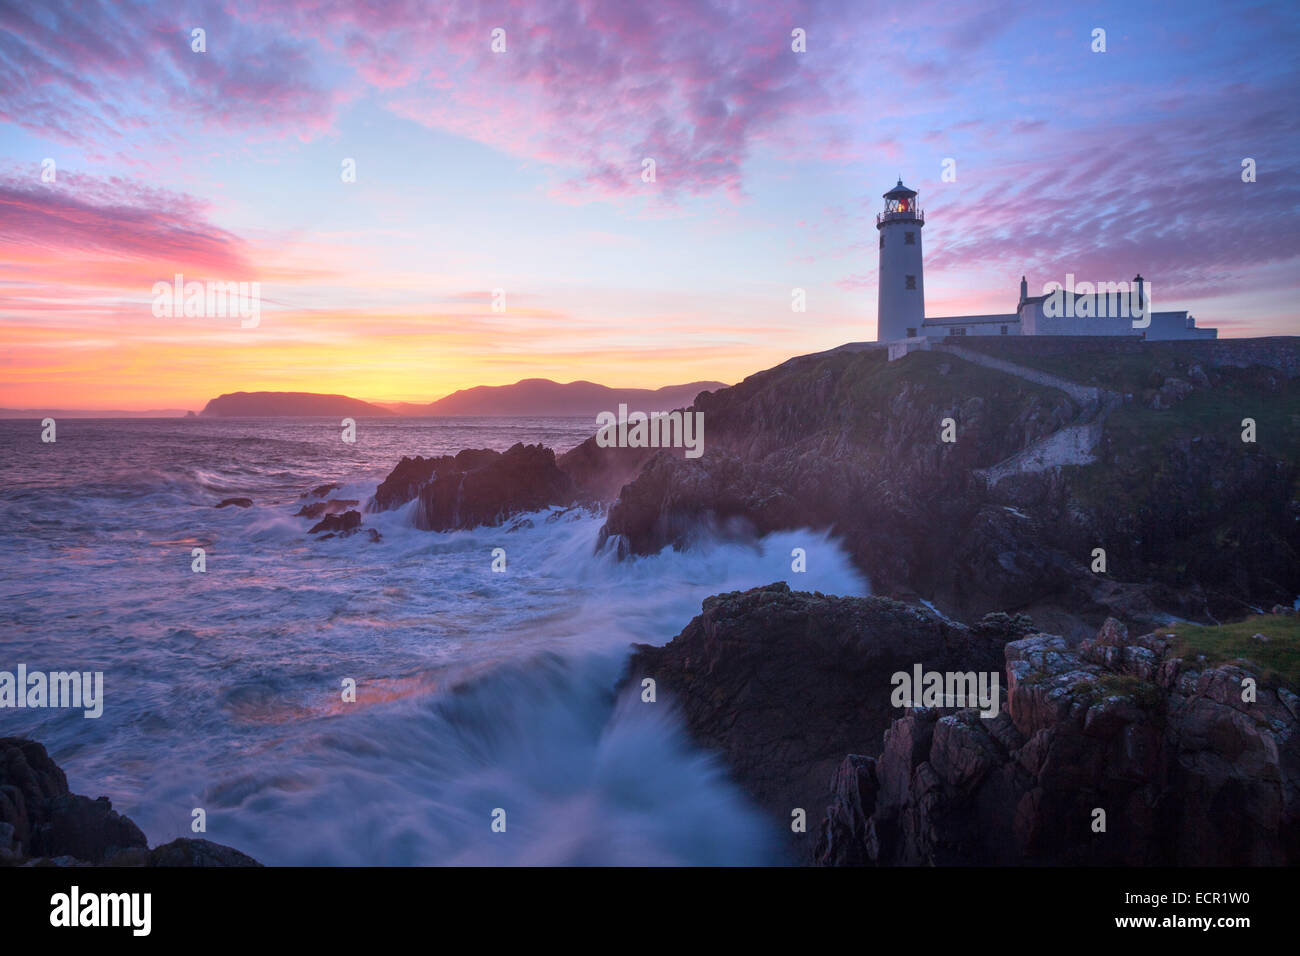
(901, 304)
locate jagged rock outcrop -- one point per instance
(41, 821)
(50, 821)
(319, 509)
(346, 523)
(476, 487)
(1186, 766)
(600, 473)
(785, 683)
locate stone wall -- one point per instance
(1278, 352)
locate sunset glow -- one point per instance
(522, 171)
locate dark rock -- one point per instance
(847, 442)
(42, 822)
(237, 502)
(87, 829)
(786, 683)
(599, 473)
(320, 491)
(411, 474)
(185, 852)
(346, 523)
(1192, 777)
(476, 488)
(844, 836)
(319, 508)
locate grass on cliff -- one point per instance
(1185, 473)
(1118, 371)
(1217, 412)
(1277, 660)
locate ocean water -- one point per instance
(475, 690)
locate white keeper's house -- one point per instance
(1119, 308)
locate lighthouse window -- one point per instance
(909, 238)
(882, 240)
(1004, 330)
(911, 282)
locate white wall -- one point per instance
(900, 308)
(983, 328)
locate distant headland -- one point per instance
(533, 396)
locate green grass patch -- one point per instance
(1277, 660)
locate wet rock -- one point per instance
(185, 852)
(320, 491)
(1198, 777)
(843, 838)
(42, 823)
(476, 488)
(785, 683)
(237, 502)
(344, 524)
(318, 509)
(87, 829)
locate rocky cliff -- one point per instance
(1119, 753)
(786, 683)
(1193, 520)
(43, 823)
(1190, 759)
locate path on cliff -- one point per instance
(1073, 444)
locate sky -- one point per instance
(503, 225)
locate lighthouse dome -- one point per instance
(900, 192)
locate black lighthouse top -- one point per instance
(900, 205)
(900, 192)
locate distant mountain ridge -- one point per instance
(532, 396)
(290, 404)
(541, 396)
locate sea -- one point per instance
(482, 697)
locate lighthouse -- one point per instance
(901, 303)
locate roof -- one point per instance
(971, 320)
(900, 192)
(1034, 299)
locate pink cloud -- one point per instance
(114, 219)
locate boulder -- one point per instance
(344, 524)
